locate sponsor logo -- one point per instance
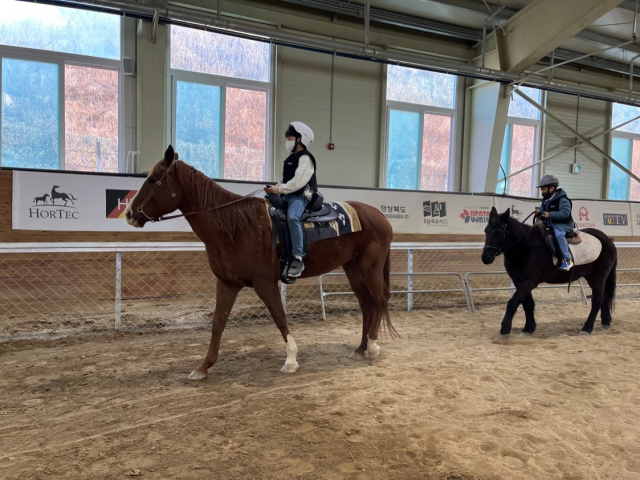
(615, 219)
(473, 215)
(583, 214)
(117, 202)
(515, 212)
(55, 205)
(434, 213)
(583, 219)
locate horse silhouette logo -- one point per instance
(65, 197)
(42, 199)
(515, 212)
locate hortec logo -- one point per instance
(117, 202)
(54, 205)
(471, 215)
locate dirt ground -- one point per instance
(449, 399)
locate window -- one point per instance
(59, 88)
(625, 148)
(421, 109)
(221, 87)
(520, 147)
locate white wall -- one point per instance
(304, 93)
(593, 118)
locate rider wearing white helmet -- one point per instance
(297, 186)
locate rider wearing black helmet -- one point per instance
(556, 207)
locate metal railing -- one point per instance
(57, 289)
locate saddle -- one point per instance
(317, 212)
(584, 248)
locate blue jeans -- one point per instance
(297, 204)
(562, 243)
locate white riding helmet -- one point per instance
(303, 130)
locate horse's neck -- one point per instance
(201, 193)
(522, 233)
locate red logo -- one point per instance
(583, 214)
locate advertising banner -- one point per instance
(85, 202)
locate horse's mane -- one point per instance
(526, 233)
(232, 219)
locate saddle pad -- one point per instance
(347, 222)
(586, 251)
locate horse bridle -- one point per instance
(498, 250)
(161, 218)
(157, 184)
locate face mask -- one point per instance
(290, 145)
(547, 195)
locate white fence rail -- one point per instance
(57, 289)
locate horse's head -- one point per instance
(495, 235)
(159, 194)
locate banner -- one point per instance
(85, 202)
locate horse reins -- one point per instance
(161, 218)
(499, 250)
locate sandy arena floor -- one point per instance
(447, 400)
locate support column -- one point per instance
(489, 109)
(151, 98)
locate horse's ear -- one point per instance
(505, 215)
(494, 211)
(168, 156)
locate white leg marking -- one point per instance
(196, 375)
(291, 365)
(373, 349)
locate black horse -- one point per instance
(529, 263)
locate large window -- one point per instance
(625, 148)
(520, 147)
(59, 87)
(421, 110)
(221, 87)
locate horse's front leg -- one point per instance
(225, 298)
(269, 293)
(522, 291)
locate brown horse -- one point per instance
(236, 232)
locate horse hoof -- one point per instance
(197, 375)
(355, 355)
(606, 327)
(289, 367)
(525, 334)
(584, 332)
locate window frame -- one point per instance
(627, 136)
(61, 59)
(535, 171)
(174, 75)
(422, 110)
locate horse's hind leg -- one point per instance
(597, 299)
(269, 293)
(225, 298)
(530, 323)
(372, 270)
(364, 299)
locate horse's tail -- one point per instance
(610, 287)
(386, 318)
(72, 197)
